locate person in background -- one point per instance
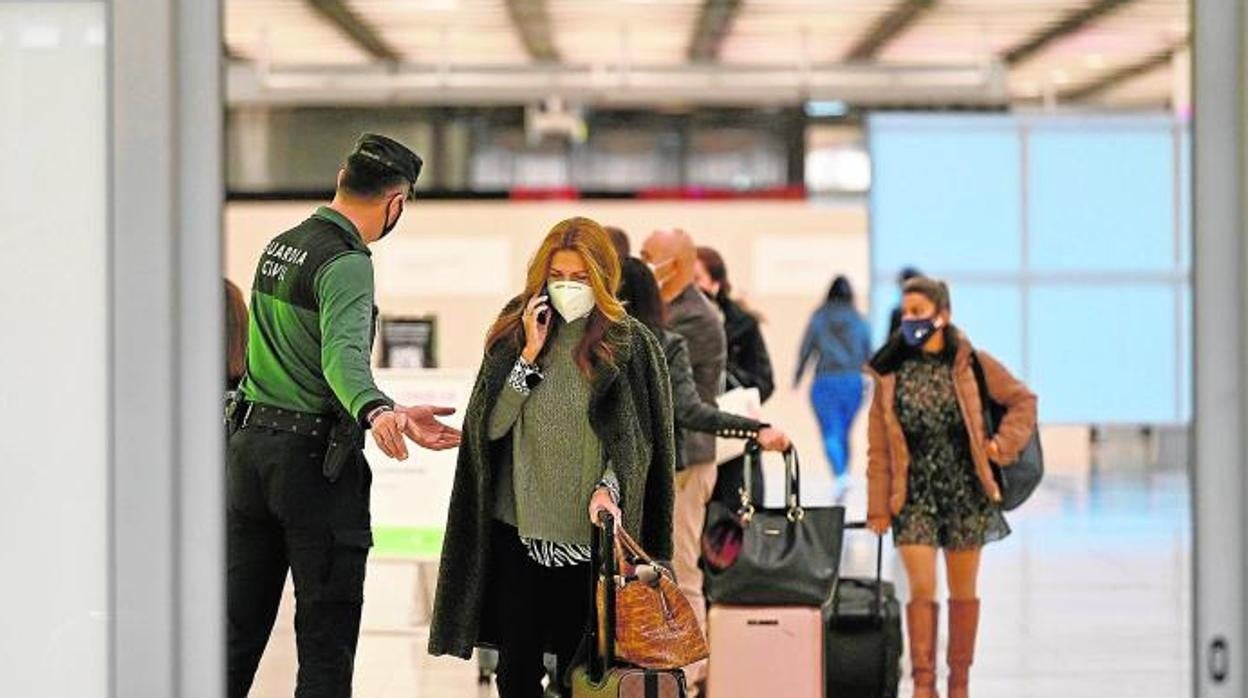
(640, 294)
(671, 255)
(930, 470)
(571, 416)
(749, 365)
(838, 343)
(619, 238)
(235, 336)
(894, 318)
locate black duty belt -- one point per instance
(305, 423)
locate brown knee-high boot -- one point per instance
(963, 626)
(922, 623)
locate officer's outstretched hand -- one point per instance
(425, 430)
(388, 429)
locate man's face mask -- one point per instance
(662, 271)
(389, 225)
(916, 332)
(573, 300)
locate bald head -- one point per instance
(672, 253)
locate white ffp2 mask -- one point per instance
(572, 299)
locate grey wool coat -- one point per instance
(630, 411)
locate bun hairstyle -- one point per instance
(934, 290)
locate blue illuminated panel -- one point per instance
(945, 194)
(1104, 353)
(1102, 199)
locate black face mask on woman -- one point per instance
(916, 332)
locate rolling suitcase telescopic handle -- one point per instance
(879, 565)
(603, 539)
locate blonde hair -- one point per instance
(592, 242)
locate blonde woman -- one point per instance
(929, 470)
(571, 415)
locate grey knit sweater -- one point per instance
(557, 459)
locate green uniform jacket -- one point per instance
(312, 321)
(630, 409)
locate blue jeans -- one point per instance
(837, 397)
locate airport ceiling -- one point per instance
(1116, 52)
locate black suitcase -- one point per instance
(863, 645)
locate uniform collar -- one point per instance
(328, 214)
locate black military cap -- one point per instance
(392, 154)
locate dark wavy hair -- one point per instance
(716, 269)
(640, 294)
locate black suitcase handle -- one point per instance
(877, 610)
(600, 565)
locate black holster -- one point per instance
(346, 439)
(235, 410)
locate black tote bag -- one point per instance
(787, 557)
(1019, 480)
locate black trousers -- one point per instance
(284, 515)
(539, 608)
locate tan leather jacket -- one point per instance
(888, 457)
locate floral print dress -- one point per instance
(946, 506)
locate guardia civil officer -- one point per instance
(298, 490)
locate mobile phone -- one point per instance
(543, 316)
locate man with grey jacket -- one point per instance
(671, 255)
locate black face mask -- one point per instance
(390, 225)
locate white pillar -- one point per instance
(1220, 498)
(168, 508)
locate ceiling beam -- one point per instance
(1067, 25)
(531, 19)
(1096, 86)
(889, 26)
(714, 22)
(642, 87)
(348, 22)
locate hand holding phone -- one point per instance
(536, 327)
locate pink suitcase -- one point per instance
(765, 651)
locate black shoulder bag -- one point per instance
(1019, 480)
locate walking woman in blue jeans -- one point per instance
(838, 340)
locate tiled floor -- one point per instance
(1089, 598)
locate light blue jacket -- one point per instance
(839, 337)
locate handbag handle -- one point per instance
(793, 484)
(792, 481)
(625, 543)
